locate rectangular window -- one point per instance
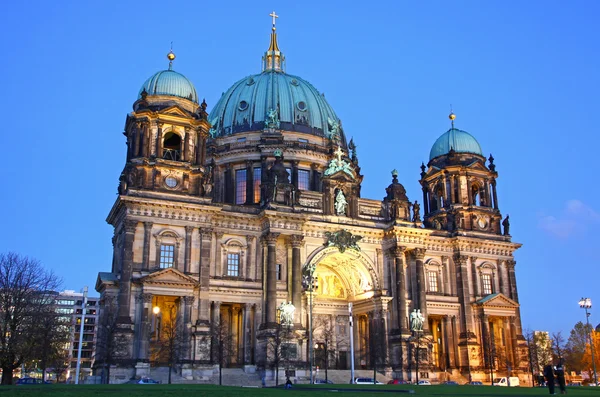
(257, 176)
(433, 281)
(240, 186)
(278, 268)
(233, 265)
(303, 180)
(167, 255)
(486, 284)
(243, 139)
(302, 140)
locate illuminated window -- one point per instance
(233, 265)
(433, 281)
(240, 186)
(486, 284)
(303, 180)
(257, 175)
(167, 255)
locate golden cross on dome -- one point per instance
(273, 15)
(339, 152)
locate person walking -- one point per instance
(560, 377)
(549, 375)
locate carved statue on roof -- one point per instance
(334, 128)
(272, 119)
(338, 164)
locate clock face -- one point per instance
(171, 182)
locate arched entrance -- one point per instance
(340, 278)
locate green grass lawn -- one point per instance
(301, 391)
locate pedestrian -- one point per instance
(264, 380)
(560, 377)
(288, 383)
(549, 375)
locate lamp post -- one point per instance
(469, 355)
(351, 342)
(81, 329)
(308, 282)
(586, 303)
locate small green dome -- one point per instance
(458, 140)
(169, 82)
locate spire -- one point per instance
(171, 57)
(451, 116)
(273, 58)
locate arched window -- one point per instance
(172, 147)
(475, 194)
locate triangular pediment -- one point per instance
(498, 300)
(340, 176)
(476, 165)
(169, 276)
(175, 111)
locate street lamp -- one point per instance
(586, 303)
(309, 284)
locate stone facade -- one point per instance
(212, 233)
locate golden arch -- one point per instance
(342, 275)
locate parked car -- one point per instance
(451, 383)
(475, 383)
(323, 382)
(366, 381)
(32, 381)
(398, 382)
(424, 383)
(147, 381)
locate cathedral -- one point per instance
(241, 239)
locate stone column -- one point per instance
(297, 242)
(419, 254)
(185, 156)
(145, 326)
(159, 140)
(136, 144)
(425, 201)
(494, 194)
(246, 333)
(124, 297)
(147, 141)
(204, 275)
(454, 340)
(446, 192)
(216, 313)
(501, 282)
(294, 176)
(486, 185)
(188, 249)
(469, 192)
(218, 256)
(271, 239)
(188, 301)
(476, 291)
(447, 276)
(449, 339)
(398, 254)
(250, 257)
(138, 325)
(249, 183)
(464, 297)
(146, 252)
(510, 264)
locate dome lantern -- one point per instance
(273, 58)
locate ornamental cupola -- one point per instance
(459, 189)
(396, 202)
(273, 60)
(166, 138)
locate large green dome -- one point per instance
(244, 106)
(458, 140)
(170, 83)
(295, 103)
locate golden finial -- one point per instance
(171, 57)
(273, 15)
(452, 116)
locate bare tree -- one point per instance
(558, 346)
(59, 365)
(171, 344)
(326, 342)
(25, 288)
(278, 349)
(52, 334)
(376, 351)
(111, 344)
(221, 345)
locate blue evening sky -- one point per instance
(522, 77)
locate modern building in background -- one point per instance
(222, 217)
(69, 305)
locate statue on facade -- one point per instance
(340, 203)
(207, 181)
(334, 129)
(416, 209)
(506, 226)
(286, 313)
(416, 320)
(342, 239)
(272, 120)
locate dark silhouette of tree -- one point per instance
(531, 358)
(375, 344)
(279, 350)
(25, 291)
(111, 344)
(576, 346)
(172, 342)
(221, 344)
(52, 334)
(59, 365)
